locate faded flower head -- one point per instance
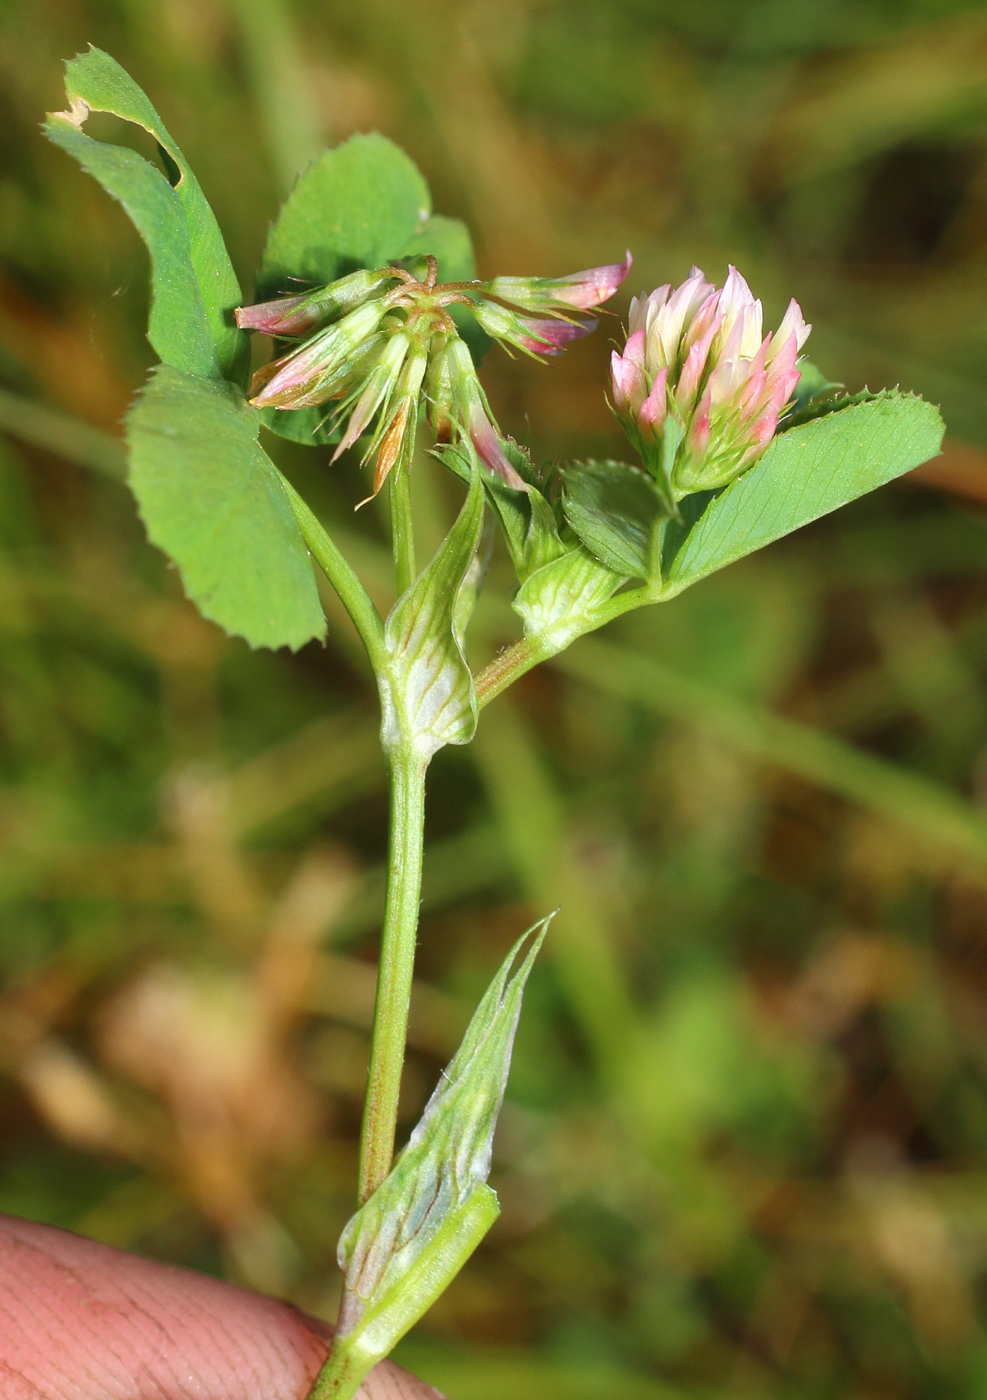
(374, 343)
(698, 390)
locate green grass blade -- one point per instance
(932, 813)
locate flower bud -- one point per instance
(375, 389)
(299, 315)
(536, 336)
(458, 410)
(697, 390)
(579, 291)
(325, 366)
(394, 439)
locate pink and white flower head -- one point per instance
(698, 390)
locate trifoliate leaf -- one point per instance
(215, 503)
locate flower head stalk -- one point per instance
(697, 389)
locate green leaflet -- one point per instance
(426, 688)
(177, 328)
(805, 473)
(361, 204)
(449, 242)
(403, 1248)
(195, 289)
(214, 502)
(356, 206)
(616, 511)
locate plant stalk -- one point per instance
(510, 665)
(340, 573)
(397, 957)
(402, 531)
(340, 1378)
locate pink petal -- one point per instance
(281, 317)
(550, 337)
(487, 443)
(702, 320)
(736, 297)
(635, 348)
(782, 354)
(692, 371)
(595, 285)
(792, 325)
(655, 407)
(669, 326)
(629, 385)
(645, 308)
(697, 440)
(760, 433)
(751, 393)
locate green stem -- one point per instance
(401, 527)
(340, 1377)
(340, 573)
(397, 957)
(514, 661)
(504, 670)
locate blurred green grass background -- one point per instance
(745, 1147)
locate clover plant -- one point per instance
(379, 324)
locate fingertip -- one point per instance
(81, 1318)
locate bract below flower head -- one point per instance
(697, 388)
